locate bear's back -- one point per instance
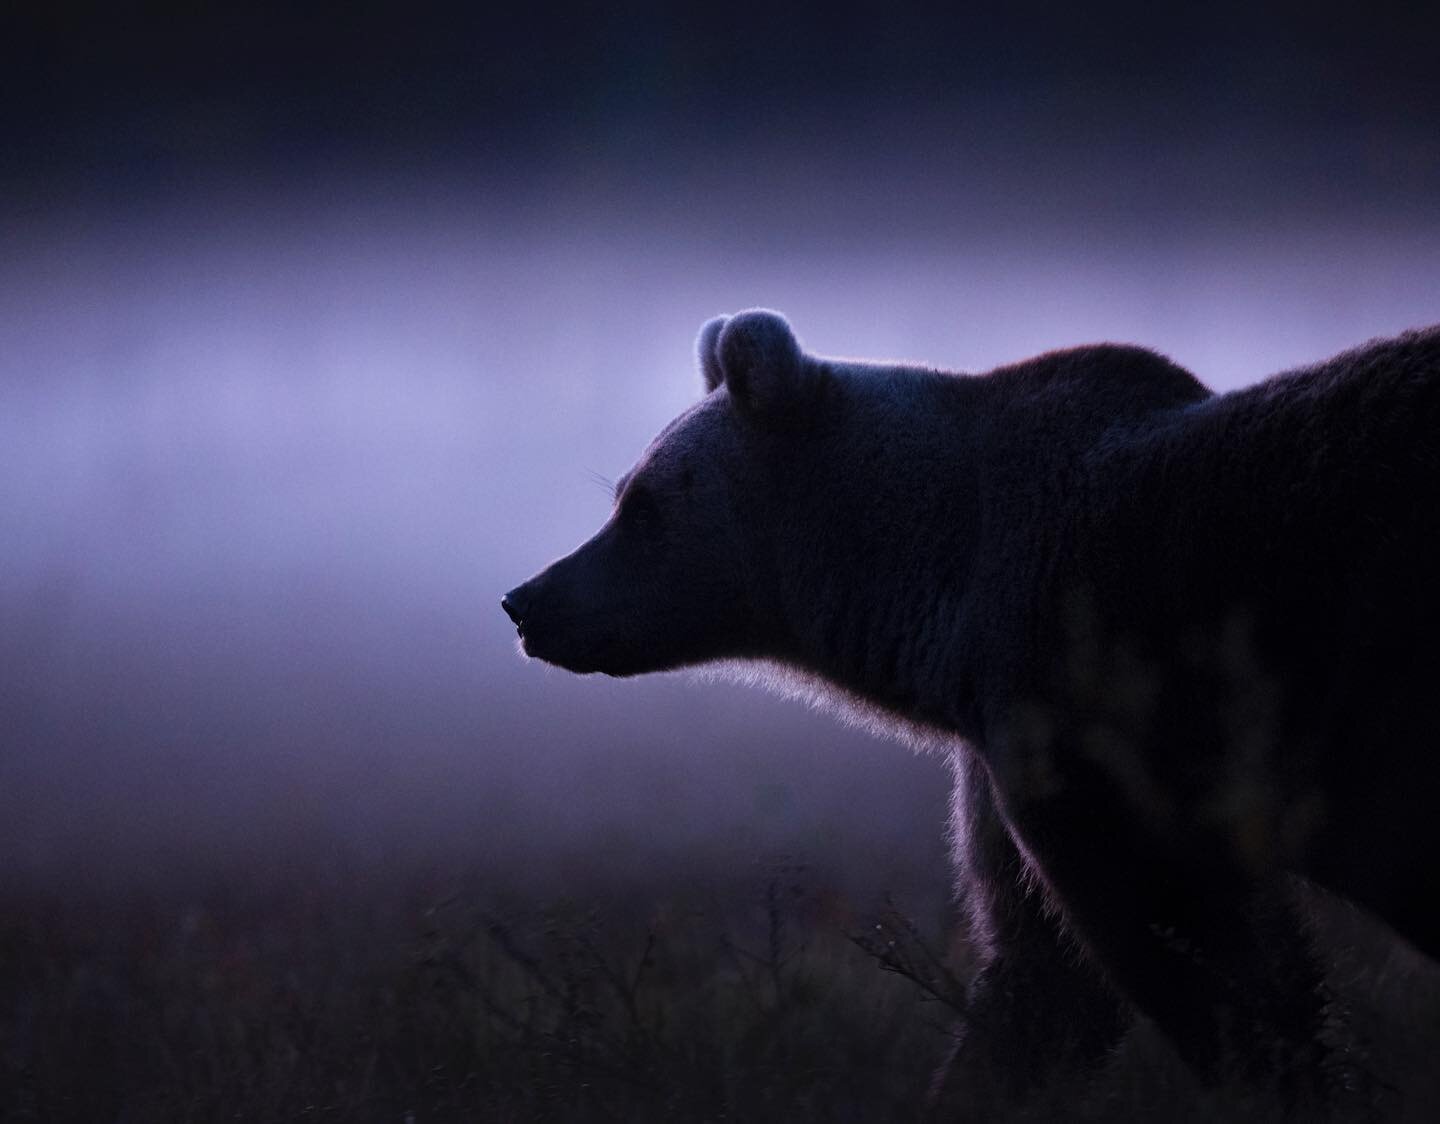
(1279, 544)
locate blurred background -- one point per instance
(316, 330)
(320, 329)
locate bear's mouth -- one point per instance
(532, 642)
(514, 606)
(560, 649)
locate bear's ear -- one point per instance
(709, 357)
(761, 363)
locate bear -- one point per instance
(1178, 646)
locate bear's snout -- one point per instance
(551, 627)
(515, 604)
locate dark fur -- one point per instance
(1179, 644)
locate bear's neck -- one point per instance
(876, 598)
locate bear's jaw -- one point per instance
(583, 646)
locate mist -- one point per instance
(270, 452)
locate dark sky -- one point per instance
(316, 329)
(165, 89)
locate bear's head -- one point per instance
(684, 570)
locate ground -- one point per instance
(428, 994)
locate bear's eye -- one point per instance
(640, 510)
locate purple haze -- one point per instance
(270, 454)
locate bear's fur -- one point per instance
(1178, 644)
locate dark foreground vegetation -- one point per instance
(322, 997)
(318, 994)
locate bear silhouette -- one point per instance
(1179, 646)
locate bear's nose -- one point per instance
(514, 607)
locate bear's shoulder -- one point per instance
(1099, 381)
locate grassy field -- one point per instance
(319, 997)
(310, 994)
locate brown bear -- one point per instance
(1179, 645)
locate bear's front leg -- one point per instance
(1216, 957)
(1037, 1010)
